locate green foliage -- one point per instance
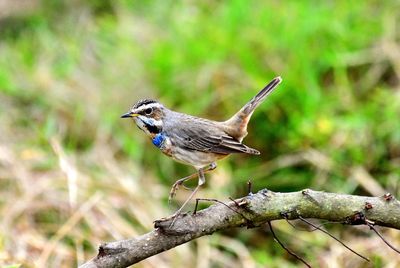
(68, 70)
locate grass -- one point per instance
(72, 174)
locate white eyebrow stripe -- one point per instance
(146, 106)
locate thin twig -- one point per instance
(312, 230)
(249, 187)
(285, 248)
(326, 232)
(381, 236)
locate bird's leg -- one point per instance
(202, 180)
(212, 166)
(176, 185)
(180, 182)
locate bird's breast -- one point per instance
(162, 142)
(158, 139)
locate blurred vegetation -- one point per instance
(72, 174)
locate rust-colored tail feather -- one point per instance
(236, 126)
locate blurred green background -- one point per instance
(73, 174)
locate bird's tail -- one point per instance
(236, 126)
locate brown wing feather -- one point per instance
(205, 136)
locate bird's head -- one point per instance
(148, 115)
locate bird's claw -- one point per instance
(174, 188)
(163, 221)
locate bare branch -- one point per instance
(258, 209)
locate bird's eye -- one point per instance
(148, 111)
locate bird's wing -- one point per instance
(206, 137)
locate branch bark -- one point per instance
(251, 211)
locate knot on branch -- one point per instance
(106, 250)
(358, 218)
(388, 197)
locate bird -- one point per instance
(196, 141)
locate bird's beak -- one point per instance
(129, 114)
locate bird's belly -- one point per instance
(195, 158)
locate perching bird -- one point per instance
(196, 141)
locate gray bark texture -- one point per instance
(250, 211)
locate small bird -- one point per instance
(193, 140)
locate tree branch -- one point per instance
(258, 209)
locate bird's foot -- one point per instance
(170, 219)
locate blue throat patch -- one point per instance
(158, 139)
